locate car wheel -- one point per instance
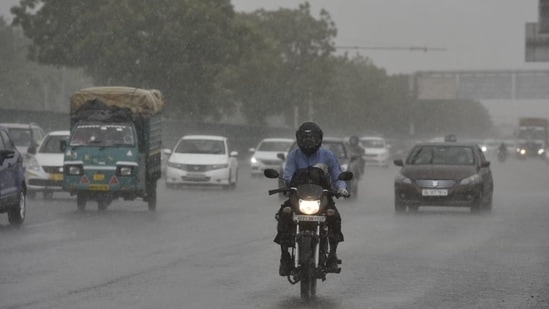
(487, 205)
(151, 196)
(476, 207)
(17, 213)
(400, 207)
(81, 200)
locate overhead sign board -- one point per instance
(537, 44)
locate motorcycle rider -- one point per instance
(357, 153)
(502, 150)
(309, 153)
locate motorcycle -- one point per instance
(311, 247)
(502, 156)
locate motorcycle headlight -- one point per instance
(309, 207)
(471, 180)
(403, 179)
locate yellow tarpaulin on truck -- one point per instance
(144, 102)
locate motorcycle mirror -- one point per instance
(345, 176)
(270, 173)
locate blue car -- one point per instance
(13, 188)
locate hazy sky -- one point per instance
(477, 34)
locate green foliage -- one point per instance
(177, 46)
(212, 63)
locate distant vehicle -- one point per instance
(376, 150)
(44, 172)
(13, 198)
(490, 146)
(265, 154)
(115, 145)
(531, 137)
(202, 160)
(25, 135)
(444, 174)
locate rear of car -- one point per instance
(444, 174)
(376, 151)
(12, 180)
(44, 172)
(202, 160)
(265, 155)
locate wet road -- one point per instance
(212, 248)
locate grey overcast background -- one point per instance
(476, 35)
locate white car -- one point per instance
(376, 151)
(202, 160)
(265, 154)
(44, 172)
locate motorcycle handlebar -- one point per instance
(328, 192)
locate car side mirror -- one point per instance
(234, 154)
(252, 150)
(485, 164)
(5, 154)
(167, 151)
(398, 162)
(63, 146)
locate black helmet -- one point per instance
(309, 137)
(353, 140)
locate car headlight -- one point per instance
(541, 151)
(309, 207)
(402, 179)
(32, 165)
(253, 160)
(219, 166)
(471, 180)
(483, 148)
(74, 170)
(176, 165)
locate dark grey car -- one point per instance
(12, 180)
(444, 174)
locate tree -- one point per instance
(179, 47)
(289, 66)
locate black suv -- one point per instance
(12, 180)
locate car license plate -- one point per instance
(309, 218)
(98, 177)
(56, 176)
(434, 192)
(99, 187)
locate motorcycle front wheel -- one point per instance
(308, 276)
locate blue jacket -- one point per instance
(298, 160)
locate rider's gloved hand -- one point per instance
(343, 192)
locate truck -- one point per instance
(531, 137)
(114, 149)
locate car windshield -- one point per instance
(441, 155)
(103, 135)
(337, 148)
(202, 146)
(372, 143)
(20, 137)
(52, 144)
(274, 146)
